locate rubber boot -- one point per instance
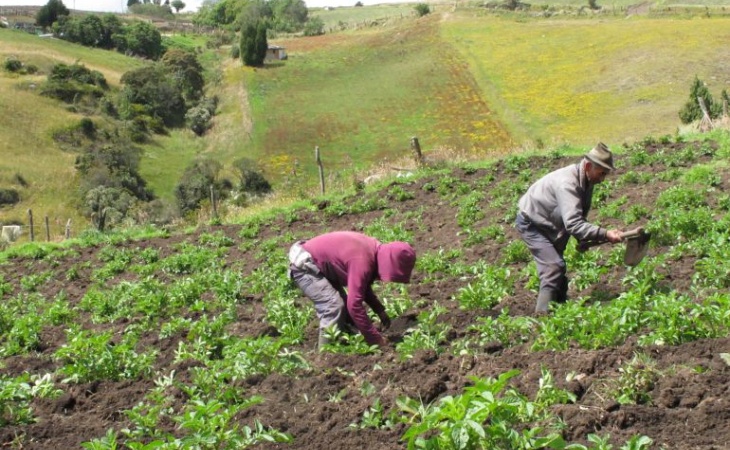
(322, 340)
(543, 301)
(562, 294)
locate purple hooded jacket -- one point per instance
(354, 261)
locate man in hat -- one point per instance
(336, 271)
(554, 208)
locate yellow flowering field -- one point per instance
(582, 80)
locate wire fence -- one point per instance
(36, 232)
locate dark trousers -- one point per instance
(548, 257)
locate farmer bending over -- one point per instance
(555, 208)
(336, 271)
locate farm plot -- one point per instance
(199, 340)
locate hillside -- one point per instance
(185, 338)
(463, 80)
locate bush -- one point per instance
(220, 40)
(196, 182)
(198, 117)
(422, 9)
(314, 27)
(152, 91)
(69, 92)
(12, 64)
(79, 73)
(108, 206)
(87, 127)
(9, 197)
(250, 178)
(691, 110)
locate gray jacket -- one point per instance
(558, 203)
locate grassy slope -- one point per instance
(587, 79)
(28, 121)
(361, 96)
(350, 16)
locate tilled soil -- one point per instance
(689, 407)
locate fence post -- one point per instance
(30, 221)
(212, 202)
(416, 149)
(48, 231)
(68, 229)
(321, 169)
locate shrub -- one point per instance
(422, 9)
(691, 110)
(79, 73)
(9, 197)
(87, 127)
(152, 91)
(198, 119)
(251, 180)
(196, 182)
(12, 64)
(314, 27)
(107, 206)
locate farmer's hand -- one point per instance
(382, 342)
(384, 320)
(613, 236)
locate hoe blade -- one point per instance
(636, 247)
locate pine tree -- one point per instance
(262, 45)
(248, 45)
(691, 110)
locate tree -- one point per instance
(691, 110)
(132, 3)
(254, 44)
(255, 11)
(186, 71)
(289, 15)
(112, 25)
(261, 43)
(155, 93)
(142, 39)
(107, 206)
(178, 5)
(221, 12)
(50, 13)
(196, 182)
